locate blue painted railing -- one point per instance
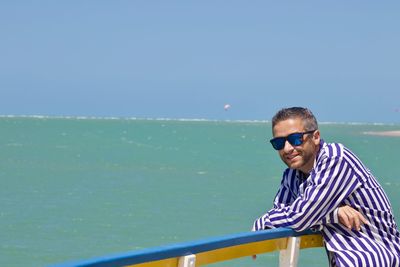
(192, 248)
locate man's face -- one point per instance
(297, 157)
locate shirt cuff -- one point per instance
(331, 217)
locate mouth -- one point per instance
(292, 157)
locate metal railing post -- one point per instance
(187, 261)
(290, 256)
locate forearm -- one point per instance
(330, 218)
(283, 217)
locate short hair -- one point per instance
(310, 122)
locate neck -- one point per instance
(310, 165)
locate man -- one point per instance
(327, 188)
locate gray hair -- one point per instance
(309, 120)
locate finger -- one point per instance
(349, 218)
(343, 217)
(354, 220)
(357, 222)
(346, 221)
(363, 219)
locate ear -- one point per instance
(317, 137)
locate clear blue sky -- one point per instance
(186, 59)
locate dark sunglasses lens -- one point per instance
(278, 143)
(295, 139)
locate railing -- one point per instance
(208, 251)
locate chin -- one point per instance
(294, 165)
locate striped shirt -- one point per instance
(338, 178)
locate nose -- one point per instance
(288, 147)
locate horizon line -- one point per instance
(78, 117)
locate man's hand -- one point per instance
(351, 218)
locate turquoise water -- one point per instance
(81, 188)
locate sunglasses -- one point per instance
(295, 139)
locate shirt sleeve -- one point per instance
(330, 218)
(332, 180)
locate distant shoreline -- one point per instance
(384, 133)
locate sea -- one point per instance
(75, 188)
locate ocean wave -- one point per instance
(63, 117)
(181, 119)
(357, 123)
(129, 118)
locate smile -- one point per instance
(291, 157)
